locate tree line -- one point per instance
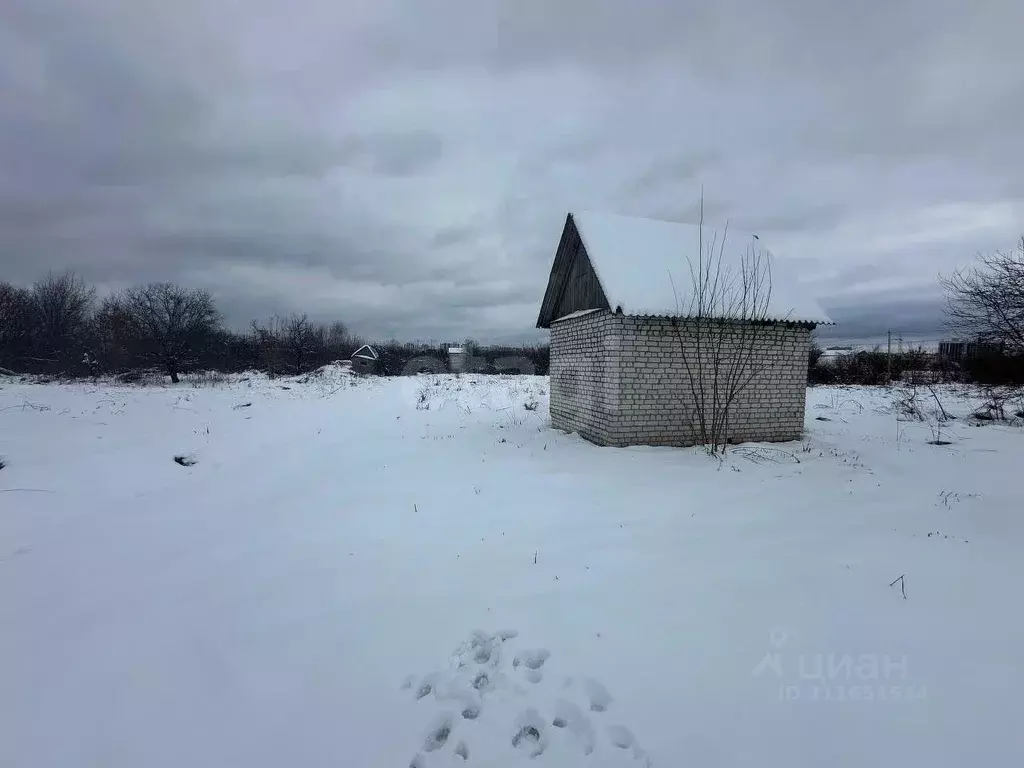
(58, 326)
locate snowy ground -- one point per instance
(420, 572)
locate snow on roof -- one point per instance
(455, 350)
(645, 267)
(578, 313)
(366, 352)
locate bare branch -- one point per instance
(163, 322)
(719, 334)
(985, 302)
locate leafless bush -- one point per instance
(423, 398)
(726, 316)
(142, 377)
(942, 412)
(201, 379)
(996, 401)
(837, 403)
(911, 402)
(907, 403)
(870, 367)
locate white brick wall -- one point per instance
(584, 385)
(624, 381)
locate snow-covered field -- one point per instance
(419, 571)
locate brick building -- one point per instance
(630, 356)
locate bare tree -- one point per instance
(986, 301)
(291, 341)
(163, 322)
(340, 342)
(15, 324)
(61, 307)
(719, 327)
(303, 342)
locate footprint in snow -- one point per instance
(425, 687)
(597, 695)
(439, 732)
(623, 738)
(620, 736)
(574, 720)
(478, 669)
(529, 733)
(531, 659)
(483, 648)
(482, 682)
(533, 675)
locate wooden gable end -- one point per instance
(572, 285)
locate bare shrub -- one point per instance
(907, 404)
(922, 404)
(995, 401)
(141, 377)
(725, 319)
(201, 379)
(423, 398)
(872, 367)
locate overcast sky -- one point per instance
(406, 165)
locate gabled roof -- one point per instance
(647, 267)
(366, 352)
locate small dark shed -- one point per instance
(366, 360)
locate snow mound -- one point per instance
(512, 396)
(338, 372)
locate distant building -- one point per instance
(618, 372)
(958, 351)
(457, 359)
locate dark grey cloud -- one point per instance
(905, 316)
(406, 166)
